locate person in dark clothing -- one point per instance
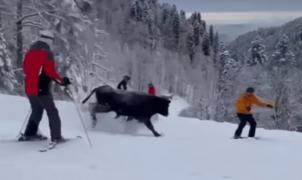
(39, 70)
(243, 107)
(123, 84)
(244, 118)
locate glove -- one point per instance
(66, 81)
(248, 108)
(269, 106)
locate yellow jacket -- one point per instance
(245, 102)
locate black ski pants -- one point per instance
(244, 118)
(38, 105)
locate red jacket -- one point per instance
(152, 91)
(39, 70)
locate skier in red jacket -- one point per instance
(39, 71)
(151, 90)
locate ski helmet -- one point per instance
(250, 90)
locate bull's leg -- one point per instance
(93, 116)
(130, 118)
(98, 108)
(117, 115)
(149, 125)
(94, 119)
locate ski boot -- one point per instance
(37, 137)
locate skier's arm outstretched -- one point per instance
(260, 103)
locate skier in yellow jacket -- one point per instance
(244, 105)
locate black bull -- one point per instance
(132, 104)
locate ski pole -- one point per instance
(80, 116)
(24, 122)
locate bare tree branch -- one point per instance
(29, 23)
(29, 8)
(26, 16)
(34, 26)
(102, 67)
(54, 15)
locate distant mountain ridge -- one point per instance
(229, 32)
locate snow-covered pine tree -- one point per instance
(8, 82)
(256, 62)
(228, 69)
(257, 52)
(281, 64)
(175, 30)
(216, 43)
(183, 30)
(211, 34)
(206, 44)
(196, 32)
(190, 44)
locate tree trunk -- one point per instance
(19, 39)
(0, 20)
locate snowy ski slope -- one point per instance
(189, 150)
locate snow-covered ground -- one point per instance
(189, 150)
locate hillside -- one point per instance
(189, 150)
(270, 36)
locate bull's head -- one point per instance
(163, 106)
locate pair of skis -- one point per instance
(256, 138)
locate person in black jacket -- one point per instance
(123, 84)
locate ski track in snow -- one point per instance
(189, 150)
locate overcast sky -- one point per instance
(262, 12)
(234, 17)
(238, 5)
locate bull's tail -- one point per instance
(86, 99)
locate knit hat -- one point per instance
(250, 90)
